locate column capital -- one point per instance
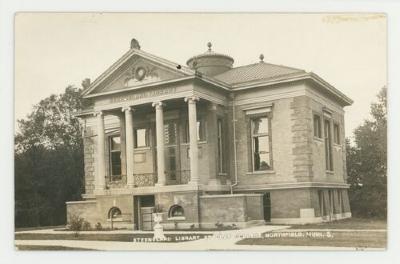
(212, 106)
(127, 108)
(158, 104)
(192, 99)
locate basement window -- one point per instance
(114, 213)
(176, 211)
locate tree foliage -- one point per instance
(48, 160)
(367, 162)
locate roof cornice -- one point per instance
(298, 77)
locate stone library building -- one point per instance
(209, 144)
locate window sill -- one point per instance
(115, 179)
(329, 172)
(115, 220)
(198, 142)
(260, 172)
(141, 149)
(222, 174)
(176, 218)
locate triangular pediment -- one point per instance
(136, 69)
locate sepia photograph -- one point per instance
(200, 131)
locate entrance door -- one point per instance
(171, 141)
(267, 207)
(144, 205)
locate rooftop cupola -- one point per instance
(210, 63)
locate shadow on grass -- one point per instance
(49, 248)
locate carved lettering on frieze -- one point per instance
(145, 94)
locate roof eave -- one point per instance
(347, 101)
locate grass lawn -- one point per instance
(37, 247)
(107, 237)
(349, 223)
(338, 239)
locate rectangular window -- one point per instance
(328, 145)
(221, 167)
(317, 126)
(336, 133)
(115, 157)
(201, 130)
(141, 138)
(260, 142)
(170, 133)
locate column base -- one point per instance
(195, 182)
(159, 184)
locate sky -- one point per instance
(54, 50)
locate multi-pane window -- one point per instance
(336, 134)
(317, 126)
(220, 143)
(170, 133)
(141, 138)
(328, 145)
(115, 157)
(260, 142)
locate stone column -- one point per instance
(193, 151)
(161, 179)
(130, 181)
(101, 161)
(213, 144)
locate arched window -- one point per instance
(114, 212)
(176, 211)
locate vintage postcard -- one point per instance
(230, 131)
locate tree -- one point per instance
(48, 160)
(367, 163)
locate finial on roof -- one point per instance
(261, 57)
(86, 83)
(135, 44)
(194, 64)
(209, 45)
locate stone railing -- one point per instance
(148, 179)
(145, 179)
(182, 177)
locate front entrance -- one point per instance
(267, 207)
(144, 207)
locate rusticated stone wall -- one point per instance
(301, 117)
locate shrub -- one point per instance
(86, 226)
(75, 222)
(98, 226)
(219, 225)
